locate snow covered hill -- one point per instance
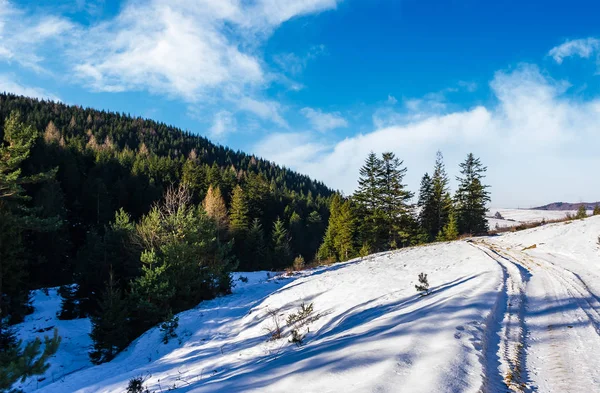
(515, 217)
(502, 316)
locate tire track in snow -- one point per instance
(564, 343)
(505, 328)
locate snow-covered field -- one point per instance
(514, 217)
(500, 318)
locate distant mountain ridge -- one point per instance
(567, 206)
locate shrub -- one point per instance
(301, 317)
(581, 212)
(299, 263)
(168, 328)
(423, 285)
(136, 385)
(243, 279)
(275, 330)
(296, 337)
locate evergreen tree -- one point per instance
(442, 202)
(16, 217)
(471, 197)
(255, 247)
(581, 212)
(427, 213)
(450, 230)
(368, 199)
(327, 251)
(239, 214)
(340, 237)
(596, 210)
(18, 362)
(110, 332)
(394, 199)
(282, 254)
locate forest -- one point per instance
(137, 221)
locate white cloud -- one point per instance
(532, 138)
(324, 121)
(10, 85)
(295, 64)
(223, 124)
(266, 110)
(584, 48)
(392, 100)
(24, 37)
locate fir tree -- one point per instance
(110, 326)
(282, 254)
(345, 233)
(472, 197)
(427, 213)
(394, 199)
(596, 210)
(368, 199)
(255, 246)
(239, 214)
(450, 230)
(581, 212)
(442, 201)
(18, 362)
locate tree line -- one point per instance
(379, 215)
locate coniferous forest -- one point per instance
(137, 220)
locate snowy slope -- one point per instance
(500, 318)
(514, 217)
(72, 353)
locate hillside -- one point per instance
(562, 206)
(109, 161)
(518, 312)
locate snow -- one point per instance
(514, 217)
(72, 352)
(501, 316)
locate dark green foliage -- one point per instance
(17, 362)
(339, 243)
(69, 307)
(255, 248)
(136, 385)
(17, 217)
(282, 253)
(581, 212)
(471, 198)
(434, 200)
(110, 331)
(423, 285)
(169, 328)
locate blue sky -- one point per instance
(317, 84)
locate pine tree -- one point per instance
(255, 247)
(442, 202)
(282, 254)
(581, 212)
(239, 214)
(215, 208)
(15, 217)
(18, 362)
(110, 332)
(471, 197)
(345, 236)
(427, 213)
(596, 210)
(368, 200)
(450, 230)
(394, 199)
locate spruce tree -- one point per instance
(442, 202)
(344, 241)
(110, 332)
(282, 254)
(239, 214)
(394, 199)
(596, 210)
(426, 204)
(368, 200)
(255, 247)
(18, 362)
(581, 212)
(16, 218)
(471, 197)
(450, 230)
(327, 251)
